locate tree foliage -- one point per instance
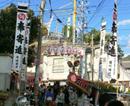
(96, 39)
(64, 31)
(44, 30)
(88, 37)
(8, 27)
(104, 86)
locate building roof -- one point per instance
(126, 64)
(127, 58)
(5, 54)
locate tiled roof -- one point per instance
(127, 58)
(126, 64)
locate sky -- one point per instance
(96, 9)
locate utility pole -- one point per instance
(74, 20)
(82, 18)
(82, 26)
(92, 58)
(38, 57)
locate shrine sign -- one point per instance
(77, 81)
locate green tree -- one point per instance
(44, 30)
(8, 27)
(96, 39)
(64, 31)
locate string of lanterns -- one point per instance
(64, 50)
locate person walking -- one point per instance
(49, 96)
(42, 90)
(66, 92)
(60, 98)
(73, 98)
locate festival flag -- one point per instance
(113, 39)
(115, 11)
(113, 48)
(25, 52)
(20, 37)
(102, 46)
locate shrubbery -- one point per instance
(104, 86)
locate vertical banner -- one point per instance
(26, 43)
(113, 48)
(100, 73)
(82, 62)
(25, 51)
(102, 46)
(110, 68)
(19, 37)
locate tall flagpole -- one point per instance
(113, 48)
(92, 58)
(114, 30)
(74, 21)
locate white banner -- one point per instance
(111, 68)
(26, 44)
(102, 46)
(19, 40)
(25, 52)
(113, 47)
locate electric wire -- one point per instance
(64, 9)
(52, 12)
(97, 9)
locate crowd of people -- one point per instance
(57, 95)
(67, 95)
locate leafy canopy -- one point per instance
(8, 27)
(88, 37)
